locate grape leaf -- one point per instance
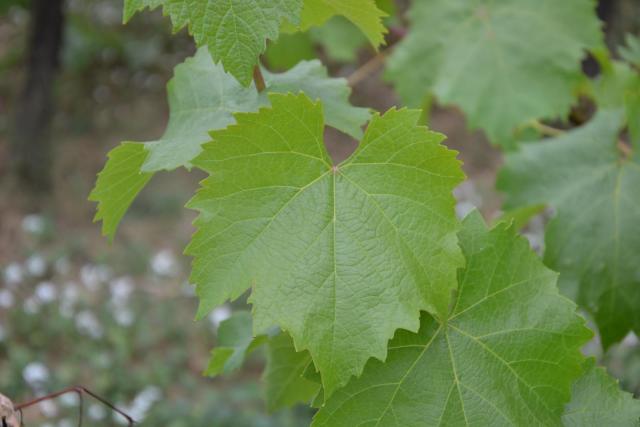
(234, 30)
(594, 238)
(466, 53)
(365, 14)
(283, 375)
(118, 184)
(631, 52)
(202, 97)
(235, 343)
(597, 401)
(506, 355)
(339, 256)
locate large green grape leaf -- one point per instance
(506, 355)
(118, 184)
(202, 97)
(339, 256)
(596, 401)
(594, 238)
(234, 30)
(235, 342)
(283, 375)
(503, 62)
(365, 14)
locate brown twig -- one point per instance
(79, 390)
(258, 79)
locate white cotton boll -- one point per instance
(164, 264)
(36, 266)
(219, 315)
(88, 324)
(13, 274)
(6, 299)
(35, 374)
(46, 292)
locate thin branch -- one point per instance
(79, 390)
(258, 79)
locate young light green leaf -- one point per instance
(235, 342)
(365, 14)
(339, 256)
(505, 356)
(283, 375)
(234, 30)
(118, 184)
(594, 239)
(597, 401)
(468, 54)
(202, 97)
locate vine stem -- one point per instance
(369, 67)
(545, 129)
(258, 79)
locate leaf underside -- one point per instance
(467, 54)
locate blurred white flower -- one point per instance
(48, 408)
(66, 422)
(188, 289)
(36, 265)
(164, 264)
(92, 276)
(34, 224)
(97, 412)
(70, 400)
(46, 292)
(123, 316)
(35, 374)
(631, 340)
(219, 315)
(31, 305)
(88, 324)
(121, 289)
(13, 274)
(464, 208)
(143, 402)
(6, 298)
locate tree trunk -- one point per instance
(31, 153)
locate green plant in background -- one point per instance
(377, 305)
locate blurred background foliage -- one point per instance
(118, 318)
